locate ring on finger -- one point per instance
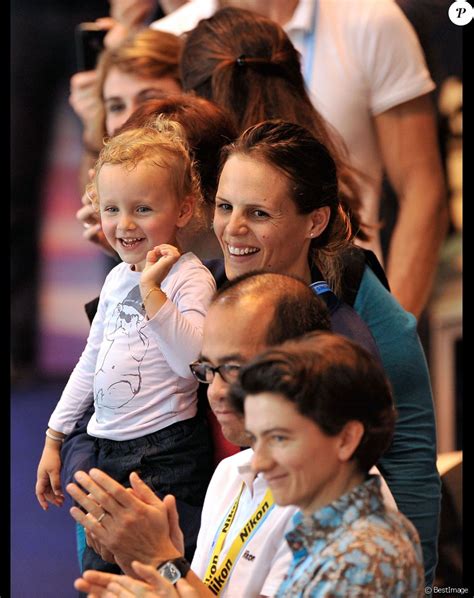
(100, 517)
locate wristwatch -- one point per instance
(174, 569)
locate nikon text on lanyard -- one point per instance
(216, 577)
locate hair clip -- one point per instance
(241, 60)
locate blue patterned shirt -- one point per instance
(354, 547)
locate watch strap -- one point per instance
(180, 563)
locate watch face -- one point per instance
(170, 572)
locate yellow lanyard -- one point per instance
(215, 577)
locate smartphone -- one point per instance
(89, 44)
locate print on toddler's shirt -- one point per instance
(118, 377)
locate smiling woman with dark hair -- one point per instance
(278, 209)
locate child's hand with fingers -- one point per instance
(48, 484)
(159, 262)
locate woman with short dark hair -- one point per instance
(319, 413)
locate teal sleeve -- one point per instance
(80, 543)
(409, 466)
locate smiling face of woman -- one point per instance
(257, 223)
(299, 461)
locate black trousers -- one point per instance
(176, 460)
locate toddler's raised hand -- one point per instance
(159, 262)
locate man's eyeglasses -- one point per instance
(205, 372)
